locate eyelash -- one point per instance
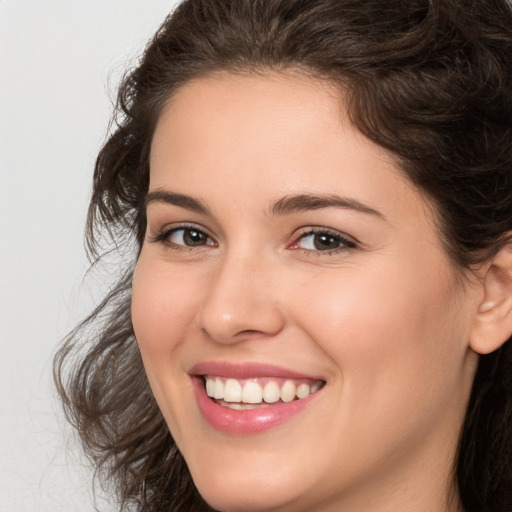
(344, 243)
(164, 238)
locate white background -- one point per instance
(58, 61)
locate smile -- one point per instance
(251, 398)
(245, 394)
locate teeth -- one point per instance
(218, 389)
(232, 391)
(252, 392)
(242, 406)
(271, 392)
(316, 386)
(288, 391)
(210, 388)
(303, 390)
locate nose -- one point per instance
(242, 301)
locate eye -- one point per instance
(322, 240)
(189, 237)
(183, 237)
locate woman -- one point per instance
(319, 308)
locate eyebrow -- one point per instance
(181, 200)
(305, 202)
(284, 206)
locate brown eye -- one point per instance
(323, 241)
(189, 237)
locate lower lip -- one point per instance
(249, 421)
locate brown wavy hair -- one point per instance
(429, 80)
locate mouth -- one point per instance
(258, 392)
(251, 398)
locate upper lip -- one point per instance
(246, 370)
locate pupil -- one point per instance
(192, 237)
(323, 242)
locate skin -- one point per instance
(383, 320)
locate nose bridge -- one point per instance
(242, 298)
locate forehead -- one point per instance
(279, 106)
(263, 136)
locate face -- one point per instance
(291, 269)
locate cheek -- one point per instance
(163, 309)
(162, 306)
(387, 330)
(397, 347)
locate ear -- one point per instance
(493, 322)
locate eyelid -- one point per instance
(347, 242)
(163, 234)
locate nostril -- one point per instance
(240, 326)
(236, 308)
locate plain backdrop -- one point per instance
(60, 61)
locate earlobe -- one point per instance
(493, 322)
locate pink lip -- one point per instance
(246, 371)
(245, 421)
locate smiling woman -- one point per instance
(319, 311)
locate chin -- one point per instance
(243, 500)
(248, 493)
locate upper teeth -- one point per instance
(254, 392)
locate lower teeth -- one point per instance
(240, 406)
